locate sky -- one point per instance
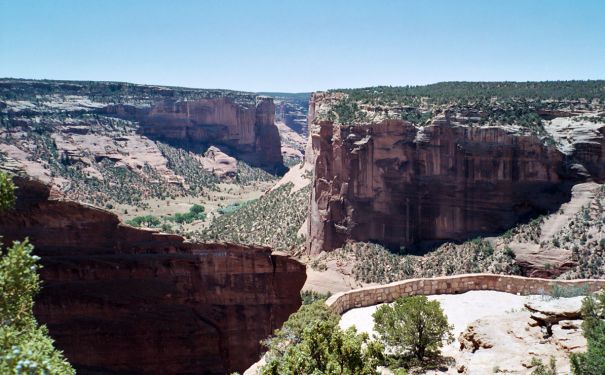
(302, 45)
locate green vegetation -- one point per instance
(584, 236)
(25, 347)
(145, 221)
(272, 220)
(196, 212)
(232, 207)
(568, 291)
(346, 111)
(373, 263)
(310, 296)
(592, 362)
(247, 174)
(311, 342)
(491, 103)
(116, 183)
(184, 163)
(109, 92)
(7, 192)
(541, 369)
(447, 91)
(413, 326)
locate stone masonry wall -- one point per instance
(341, 302)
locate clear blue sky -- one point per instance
(302, 45)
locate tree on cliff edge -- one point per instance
(413, 325)
(25, 347)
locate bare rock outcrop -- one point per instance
(399, 184)
(247, 129)
(548, 312)
(120, 300)
(509, 343)
(219, 163)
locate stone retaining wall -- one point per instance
(341, 302)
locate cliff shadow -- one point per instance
(251, 158)
(482, 222)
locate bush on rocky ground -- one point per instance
(272, 220)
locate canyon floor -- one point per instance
(226, 194)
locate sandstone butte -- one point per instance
(396, 184)
(122, 300)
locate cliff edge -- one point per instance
(121, 300)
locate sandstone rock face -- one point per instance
(247, 129)
(396, 184)
(219, 163)
(548, 312)
(120, 300)
(508, 342)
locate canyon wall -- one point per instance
(246, 129)
(397, 184)
(120, 300)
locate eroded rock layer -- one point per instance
(399, 184)
(247, 129)
(120, 300)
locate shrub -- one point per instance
(592, 361)
(567, 292)
(541, 369)
(25, 347)
(310, 296)
(7, 192)
(271, 220)
(196, 212)
(311, 342)
(509, 252)
(413, 325)
(144, 221)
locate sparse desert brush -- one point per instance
(272, 220)
(376, 264)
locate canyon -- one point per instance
(245, 129)
(390, 181)
(387, 191)
(110, 142)
(120, 300)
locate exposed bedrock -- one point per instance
(120, 300)
(248, 130)
(399, 185)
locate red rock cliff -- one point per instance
(122, 300)
(396, 184)
(247, 129)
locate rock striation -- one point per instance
(247, 129)
(399, 184)
(120, 300)
(89, 122)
